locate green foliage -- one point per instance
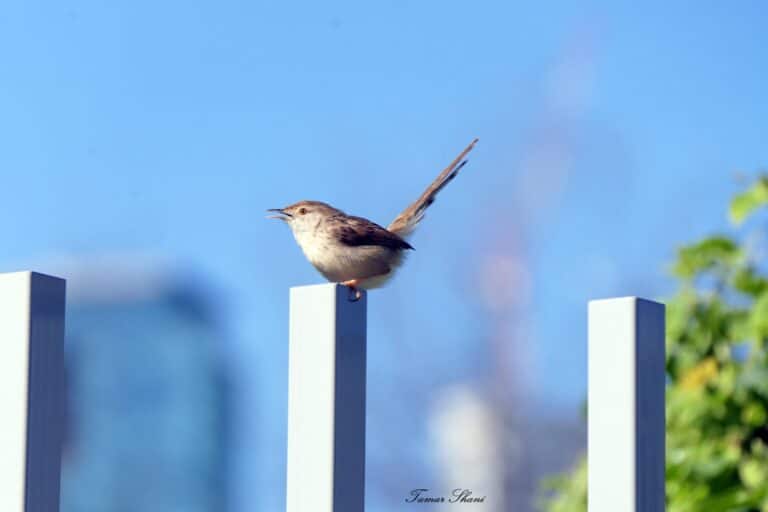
(717, 392)
(748, 201)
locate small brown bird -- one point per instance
(355, 251)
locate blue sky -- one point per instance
(610, 133)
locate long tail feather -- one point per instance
(407, 221)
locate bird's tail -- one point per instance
(407, 221)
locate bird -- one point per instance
(355, 251)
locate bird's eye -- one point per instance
(302, 210)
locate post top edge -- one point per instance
(41, 275)
(328, 290)
(628, 299)
(30, 274)
(315, 286)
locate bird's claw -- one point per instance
(354, 292)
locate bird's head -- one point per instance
(304, 215)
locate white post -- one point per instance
(326, 400)
(31, 380)
(626, 405)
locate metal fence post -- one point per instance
(626, 405)
(326, 400)
(31, 395)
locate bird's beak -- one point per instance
(281, 214)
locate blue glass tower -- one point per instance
(148, 415)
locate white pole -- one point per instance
(626, 405)
(326, 400)
(31, 380)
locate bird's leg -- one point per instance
(355, 293)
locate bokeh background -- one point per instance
(142, 142)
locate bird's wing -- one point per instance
(354, 231)
(407, 221)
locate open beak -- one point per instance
(281, 214)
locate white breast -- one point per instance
(338, 262)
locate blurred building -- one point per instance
(500, 457)
(147, 413)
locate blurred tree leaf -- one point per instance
(699, 375)
(748, 201)
(717, 391)
(705, 255)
